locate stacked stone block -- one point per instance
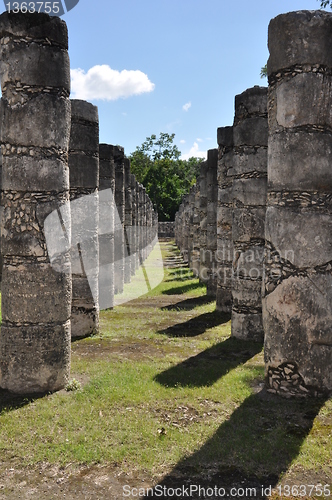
(133, 230)
(106, 225)
(35, 117)
(84, 182)
(191, 206)
(119, 220)
(203, 265)
(166, 229)
(225, 219)
(211, 221)
(195, 260)
(297, 293)
(250, 133)
(127, 221)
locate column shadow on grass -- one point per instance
(207, 367)
(197, 325)
(10, 401)
(183, 288)
(253, 448)
(188, 304)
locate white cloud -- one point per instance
(194, 151)
(104, 83)
(182, 141)
(186, 106)
(199, 140)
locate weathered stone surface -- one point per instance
(84, 145)
(35, 358)
(249, 205)
(36, 298)
(251, 132)
(299, 314)
(294, 156)
(297, 101)
(106, 226)
(224, 256)
(39, 27)
(313, 46)
(35, 123)
(248, 224)
(41, 173)
(39, 290)
(305, 237)
(247, 326)
(297, 284)
(250, 159)
(35, 65)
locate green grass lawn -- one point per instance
(164, 388)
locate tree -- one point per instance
(325, 3)
(264, 71)
(157, 165)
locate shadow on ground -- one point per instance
(10, 401)
(251, 450)
(207, 367)
(182, 289)
(197, 325)
(189, 304)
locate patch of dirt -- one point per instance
(125, 349)
(46, 482)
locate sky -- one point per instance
(170, 66)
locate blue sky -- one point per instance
(180, 62)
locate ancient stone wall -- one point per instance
(250, 134)
(35, 117)
(166, 229)
(297, 292)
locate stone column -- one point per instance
(249, 206)
(185, 228)
(106, 225)
(119, 240)
(191, 207)
(133, 225)
(1, 202)
(297, 293)
(36, 298)
(144, 249)
(224, 219)
(128, 221)
(138, 228)
(203, 269)
(211, 227)
(84, 180)
(196, 231)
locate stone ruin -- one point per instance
(54, 166)
(256, 227)
(272, 223)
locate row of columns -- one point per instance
(269, 240)
(76, 223)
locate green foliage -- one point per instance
(73, 385)
(264, 71)
(325, 3)
(157, 165)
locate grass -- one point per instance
(165, 389)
